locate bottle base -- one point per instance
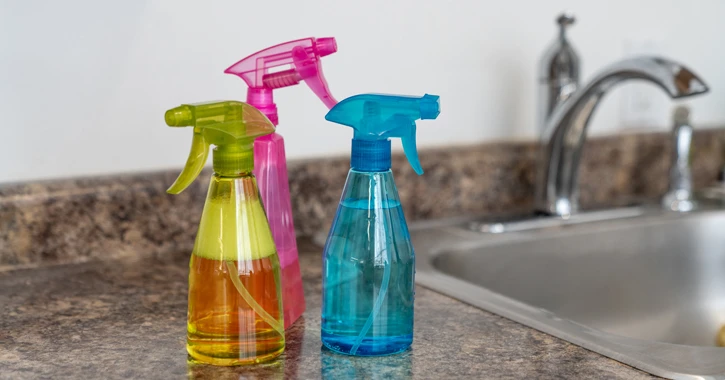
(378, 346)
(198, 356)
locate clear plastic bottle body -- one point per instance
(271, 172)
(235, 311)
(368, 270)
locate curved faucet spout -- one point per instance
(565, 132)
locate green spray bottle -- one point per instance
(235, 311)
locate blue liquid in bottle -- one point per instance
(368, 270)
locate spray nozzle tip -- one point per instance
(178, 117)
(326, 46)
(430, 107)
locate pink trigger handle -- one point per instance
(310, 70)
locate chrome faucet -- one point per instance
(679, 197)
(565, 130)
(558, 72)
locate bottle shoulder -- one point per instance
(233, 224)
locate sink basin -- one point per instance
(647, 290)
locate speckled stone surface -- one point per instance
(124, 318)
(92, 218)
(89, 218)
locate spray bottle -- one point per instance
(271, 165)
(368, 261)
(235, 305)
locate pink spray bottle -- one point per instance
(303, 57)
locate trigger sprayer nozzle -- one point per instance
(262, 74)
(430, 107)
(178, 117)
(378, 117)
(326, 46)
(230, 126)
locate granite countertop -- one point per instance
(125, 318)
(93, 271)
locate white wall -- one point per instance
(84, 84)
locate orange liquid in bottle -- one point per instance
(222, 328)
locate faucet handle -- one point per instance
(565, 20)
(558, 72)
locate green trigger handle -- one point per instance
(194, 164)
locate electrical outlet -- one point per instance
(643, 104)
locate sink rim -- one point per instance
(677, 361)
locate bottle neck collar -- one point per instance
(370, 156)
(263, 100)
(233, 160)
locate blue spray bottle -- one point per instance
(369, 264)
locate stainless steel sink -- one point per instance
(647, 289)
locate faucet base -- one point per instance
(561, 207)
(679, 200)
